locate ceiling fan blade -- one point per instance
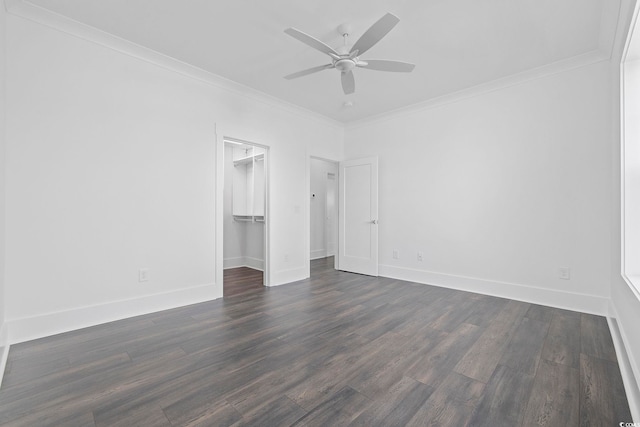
(312, 41)
(386, 65)
(375, 33)
(308, 71)
(348, 82)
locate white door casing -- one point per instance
(330, 214)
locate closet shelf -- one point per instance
(249, 159)
(249, 218)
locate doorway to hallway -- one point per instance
(323, 211)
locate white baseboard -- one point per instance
(318, 253)
(233, 262)
(255, 263)
(566, 300)
(4, 348)
(29, 328)
(629, 369)
(283, 277)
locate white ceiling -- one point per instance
(455, 44)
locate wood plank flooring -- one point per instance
(337, 349)
(242, 281)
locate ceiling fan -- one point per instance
(345, 59)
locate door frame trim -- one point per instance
(336, 264)
(221, 137)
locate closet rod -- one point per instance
(242, 219)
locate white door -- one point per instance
(358, 224)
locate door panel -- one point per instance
(358, 216)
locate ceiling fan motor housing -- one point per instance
(344, 64)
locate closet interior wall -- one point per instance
(244, 206)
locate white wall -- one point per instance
(3, 335)
(254, 243)
(320, 240)
(631, 167)
(235, 233)
(500, 190)
(254, 256)
(111, 167)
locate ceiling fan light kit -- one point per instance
(344, 59)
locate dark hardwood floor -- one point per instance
(242, 281)
(337, 349)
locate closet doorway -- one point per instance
(245, 217)
(323, 211)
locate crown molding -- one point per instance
(624, 49)
(612, 13)
(38, 14)
(517, 79)
(29, 11)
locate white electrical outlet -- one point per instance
(143, 275)
(420, 256)
(564, 273)
(286, 257)
(396, 254)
